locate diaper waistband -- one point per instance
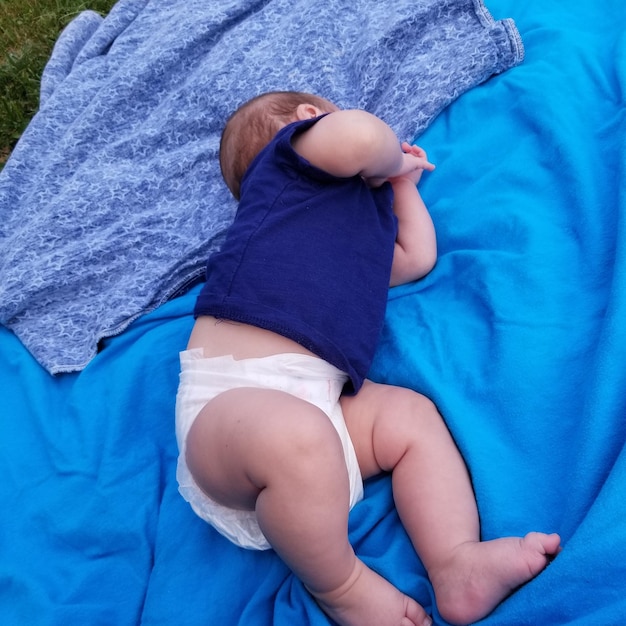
(292, 364)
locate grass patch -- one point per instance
(28, 30)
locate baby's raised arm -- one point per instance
(354, 142)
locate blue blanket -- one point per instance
(518, 335)
(113, 199)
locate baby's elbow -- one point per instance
(428, 266)
(423, 266)
(407, 270)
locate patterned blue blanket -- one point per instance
(113, 200)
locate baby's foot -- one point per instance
(367, 599)
(480, 575)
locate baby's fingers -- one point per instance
(420, 153)
(414, 150)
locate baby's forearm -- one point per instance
(353, 142)
(416, 243)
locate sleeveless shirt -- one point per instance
(308, 256)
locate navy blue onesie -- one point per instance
(308, 256)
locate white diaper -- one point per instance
(202, 379)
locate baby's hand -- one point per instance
(415, 162)
(407, 148)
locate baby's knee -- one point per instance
(406, 420)
(406, 407)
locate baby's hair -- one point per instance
(253, 125)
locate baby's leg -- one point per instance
(274, 453)
(397, 430)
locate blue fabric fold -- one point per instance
(112, 200)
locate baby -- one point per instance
(276, 421)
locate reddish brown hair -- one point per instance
(253, 125)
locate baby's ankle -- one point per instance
(367, 599)
(335, 594)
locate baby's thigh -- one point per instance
(246, 437)
(383, 421)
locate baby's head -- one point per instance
(253, 125)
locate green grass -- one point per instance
(28, 30)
